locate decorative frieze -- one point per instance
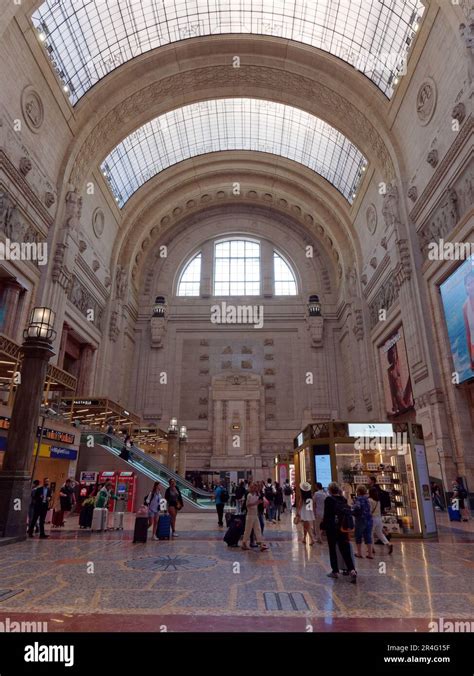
(446, 216)
(85, 302)
(14, 225)
(386, 296)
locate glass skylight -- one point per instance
(87, 39)
(285, 282)
(233, 124)
(190, 282)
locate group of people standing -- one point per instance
(41, 501)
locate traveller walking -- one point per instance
(252, 522)
(278, 500)
(460, 493)
(175, 504)
(152, 501)
(240, 493)
(31, 507)
(269, 494)
(41, 499)
(304, 510)
(319, 497)
(377, 525)
(363, 522)
(67, 499)
(287, 493)
(221, 497)
(335, 513)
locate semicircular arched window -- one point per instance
(237, 268)
(190, 282)
(284, 279)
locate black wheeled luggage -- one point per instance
(140, 533)
(235, 530)
(85, 515)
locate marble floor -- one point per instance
(78, 581)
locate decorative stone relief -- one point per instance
(413, 193)
(202, 416)
(459, 112)
(384, 243)
(268, 341)
(73, 210)
(120, 282)
(363, 279)
(114, 330)
(158, 327)
(84, 301)
(226, 365)
(203, 401)
(95, 265)
(98, 222)
(373, 262)
(82, 245)
(25, 166)
(14, 226)
(426, 101)
(371, 218)
(358, 327)
(32, 108)
(204, 372)
(246, 364)
(227, 350)
(246, 350)
(443, 221)
(107, 282)
(204, 357)
(269, 357)
(204, 343)
(315, 327)
(405, 260)
(49, 199)
(466, 31)
(433, 158)
(390, 209)
(386, 296)
(269, 372)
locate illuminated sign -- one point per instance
(56, 435)
(63, 453)
(370, 430)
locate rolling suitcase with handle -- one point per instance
(235, 530)
(118, 520)
(85, 516)
(99, 518)
(140, 533)
(163, 530)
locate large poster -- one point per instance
(457, 294)
(396, 374)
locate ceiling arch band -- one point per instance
(233, 124)
(87, 39)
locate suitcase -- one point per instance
(140, 533)
(58, 518)
(99, 517)
(454, 514)
(341, 564)
(118, 520)
(163, 530)
(235, 530)
(85, 517)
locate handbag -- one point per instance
(296, 519)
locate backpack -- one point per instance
(269, 494)
(344, 519)
(288, 490)
(361, 509)
(224, 495)
(384, 500)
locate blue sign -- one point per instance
(63, 453)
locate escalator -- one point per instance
(150, 467)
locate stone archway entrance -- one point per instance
(237, 401)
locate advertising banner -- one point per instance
(457, 294)
(396, 374)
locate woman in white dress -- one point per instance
(305, 511)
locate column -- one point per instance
(15, 476)
(217, 448)
(254, 428)
(11, 296)
(86, 372)
(207, 252)
(182, 458)
(63, 345)
(172, 450)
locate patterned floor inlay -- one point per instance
(173, 563)
(285, 601)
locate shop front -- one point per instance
(352, 453)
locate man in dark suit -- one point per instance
(41, 499)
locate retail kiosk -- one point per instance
(350, 453)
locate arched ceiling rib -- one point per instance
(233, 124)
(88, 39)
